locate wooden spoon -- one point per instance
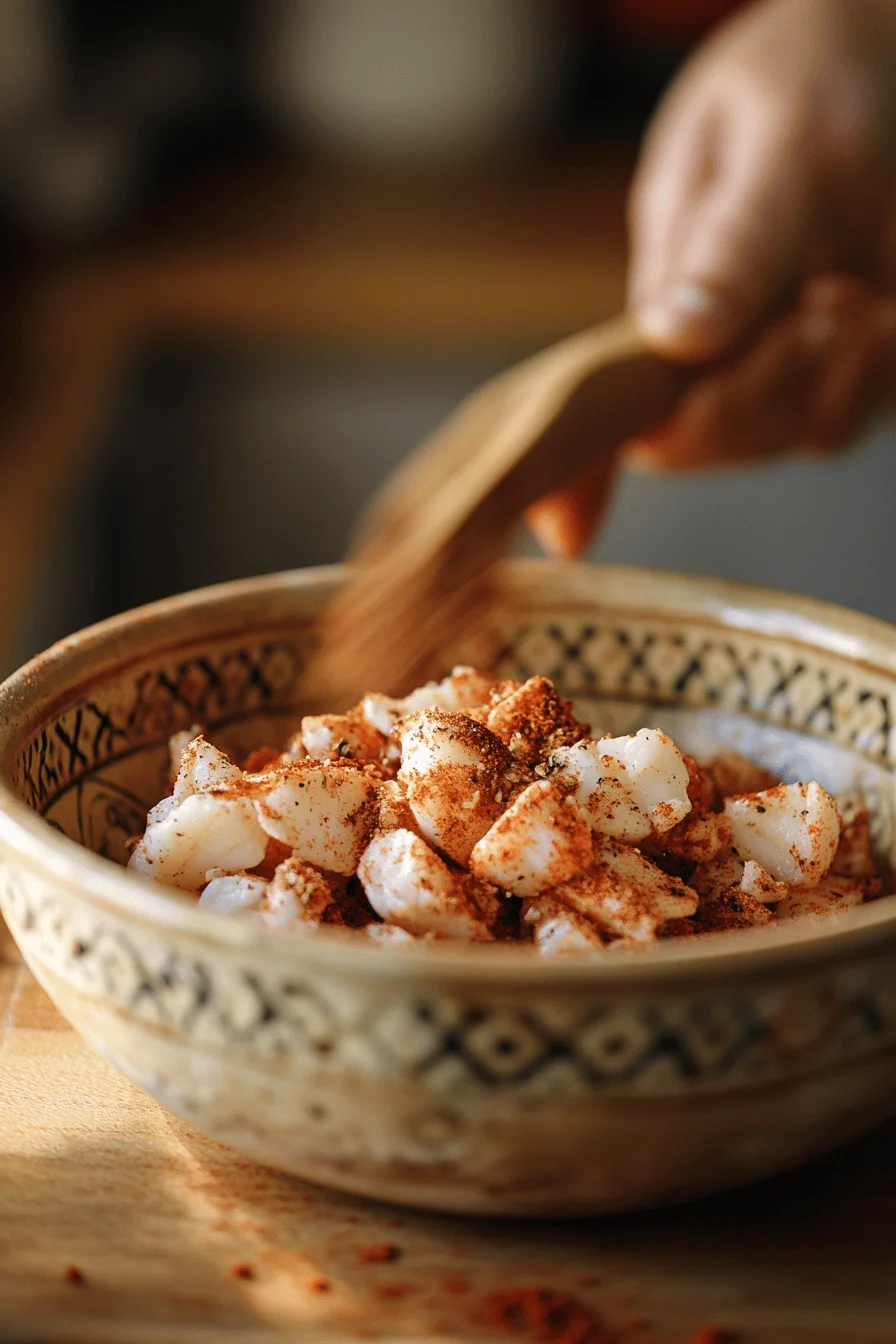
(422, 562)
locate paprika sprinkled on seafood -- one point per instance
(477, 810)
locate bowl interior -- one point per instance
(805, 689)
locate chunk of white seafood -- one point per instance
(464, 689)
(792, 831)
(338, 736)
(623, 891)
(389, 935)
(203, 767)
(532, 720)
(756, 882)
(231, 893)
(729, 910)
(176, 744)
(556, 929)
(855, 855)
(728, 873)
(832, 896)
(700, 838)
(704, 833)
(297, 895)
(325, 813)
(160, 811)
(408, 884)
(723, 871)
(394, 812)
(542, 839)
(629, 786)
(458, 777)
(205, 830)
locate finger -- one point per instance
(859, 371)
(672, 171)
(883, 387)
(743, 239)
(565, 521)
(746, 412)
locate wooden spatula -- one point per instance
(423, 557)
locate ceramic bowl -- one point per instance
(481, 1079)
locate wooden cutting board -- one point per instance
(98, 1183)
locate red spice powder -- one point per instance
(318, 1284)
(73, 1275)
(545, 1315)
(261, 759)
(455, 1284)
(713, 1334)
(378, 1253)
(241, 1271)
(393, 1292)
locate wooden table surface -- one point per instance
(95, 1177)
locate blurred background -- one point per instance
(250, 253)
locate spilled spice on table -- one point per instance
(393, 1292)
(378, 1253)
(544, 1315)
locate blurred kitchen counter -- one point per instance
(375, 257)
(378, 261)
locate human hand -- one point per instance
(769, 164)
(771, 159)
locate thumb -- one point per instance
(565, 521)
(741, 244)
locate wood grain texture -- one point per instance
(95, 1175)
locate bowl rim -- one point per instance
(739, 606)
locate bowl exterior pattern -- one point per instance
(441, 1088)
(461, 1097)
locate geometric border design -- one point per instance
(219, 687)
(671, 662)
(657, 661)
(532, 1045)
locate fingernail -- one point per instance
(643, 458)
(549, 534)
(687, 306)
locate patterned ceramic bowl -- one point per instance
(477, 1079)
